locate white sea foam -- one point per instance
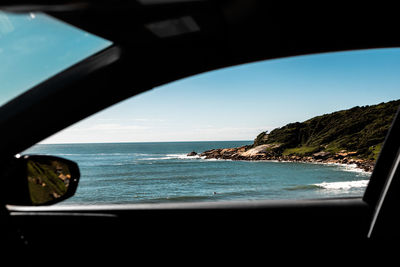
(182, 156)
(343, 185)
(351, 168)
(343, 167)
(185, 157)
(174, 156)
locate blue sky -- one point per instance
(34, 47)
(239, 102)
(230, 104)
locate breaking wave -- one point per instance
(331, 186)
(343, 185)
(173, 156)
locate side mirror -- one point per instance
(35, 180)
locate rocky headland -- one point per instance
(353, 136)
(264, 152)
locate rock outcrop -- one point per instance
(272, 152)
(191, 154)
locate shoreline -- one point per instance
(352, 167)
(263, 153)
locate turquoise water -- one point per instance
(161, 172)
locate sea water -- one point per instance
(122, 173)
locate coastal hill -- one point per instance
(352, 136)
(361, 129)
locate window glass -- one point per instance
(294, 128)
(35, 46)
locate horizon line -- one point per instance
(142, 142)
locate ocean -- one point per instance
(160, 172)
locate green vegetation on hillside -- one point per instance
(359, 129)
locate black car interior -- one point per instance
(210, 35)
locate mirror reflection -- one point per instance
(48, 179)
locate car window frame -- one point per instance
(109, 60)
